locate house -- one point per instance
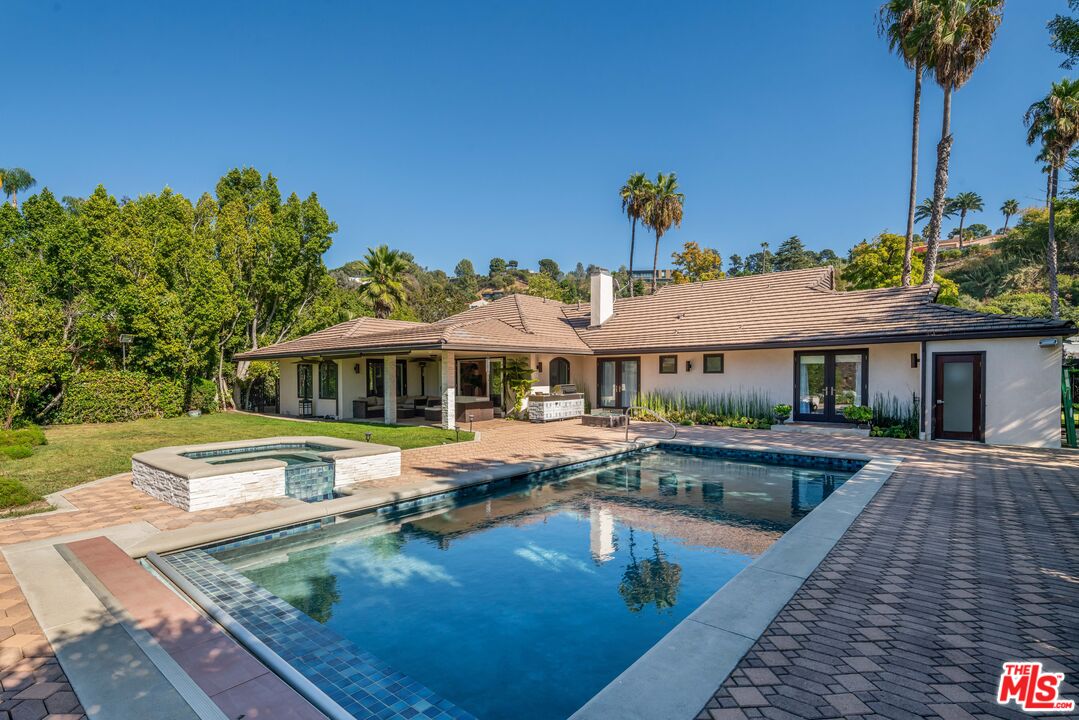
(789, 335)
(953, 243)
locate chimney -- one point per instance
(602, 297)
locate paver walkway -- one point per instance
(968, 556)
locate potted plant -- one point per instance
(781, 412)
(861, 415)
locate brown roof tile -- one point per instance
(782, 309)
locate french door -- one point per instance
(958, 398)
(618, 382)
(827, 382)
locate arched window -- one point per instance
(559, 368)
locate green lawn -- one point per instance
(79, 453)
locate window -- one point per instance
(303, 381)
(375, 385)
(402, 378)
(559, 369)
(472, 378)
(713, 363)
(327, 380)
(668, 364)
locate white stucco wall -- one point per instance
(1022, 389)
(288, 403)
(772, 372)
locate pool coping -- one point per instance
(709, 643)
(706, 646)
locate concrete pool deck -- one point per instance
(908, 615)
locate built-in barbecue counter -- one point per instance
(543, 408)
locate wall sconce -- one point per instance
(689, 365)
(356, 368)
(914, 360)
(1048, 342)
(539, 366)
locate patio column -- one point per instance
(389, 389)
(448, 370)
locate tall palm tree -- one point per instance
(1009, 208)
(662, 211)
(635, 194)
(897, 19)
(957, 35)
(963, 203)
(15, 180)
(1055, 121)
(384, 279)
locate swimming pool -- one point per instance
(523, 602)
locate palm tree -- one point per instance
(1055, 121)
(635, 194)
(1009, 208)
(897, 19)
(963, 203)
(663, 210)
(924, 210)
(957, 35)
(383, 279)
(15, 180)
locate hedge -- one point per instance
(117, 396)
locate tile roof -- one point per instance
(783, 309)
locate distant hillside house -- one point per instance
(664, 276)
(788, 335)
(953, 243)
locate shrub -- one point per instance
(858, 414)
(30, 435)
(16, 452)
(203, 396)
(117, 396)
(782, 411)
(710, 408)
(890, 412)
(13, 493)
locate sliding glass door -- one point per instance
(827, 382)
(617, 382)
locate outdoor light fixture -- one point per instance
(356, 368)
(471, 417)
(689, 365)
(367, 436)
(1048, 342)
(539, 366)
(914, 360)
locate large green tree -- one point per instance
(792, 255)
(956, 35)
(878, 263)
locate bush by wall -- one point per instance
(745, 408)
(895, 418)
(203, 396)
(117, 396)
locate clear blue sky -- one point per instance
(505, 128)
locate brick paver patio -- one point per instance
(967, 557)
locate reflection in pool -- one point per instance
(525, 603)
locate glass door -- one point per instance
(827, 382)
(957, 396)
(617, 382)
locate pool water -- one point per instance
(289, 458)
(525, 603)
